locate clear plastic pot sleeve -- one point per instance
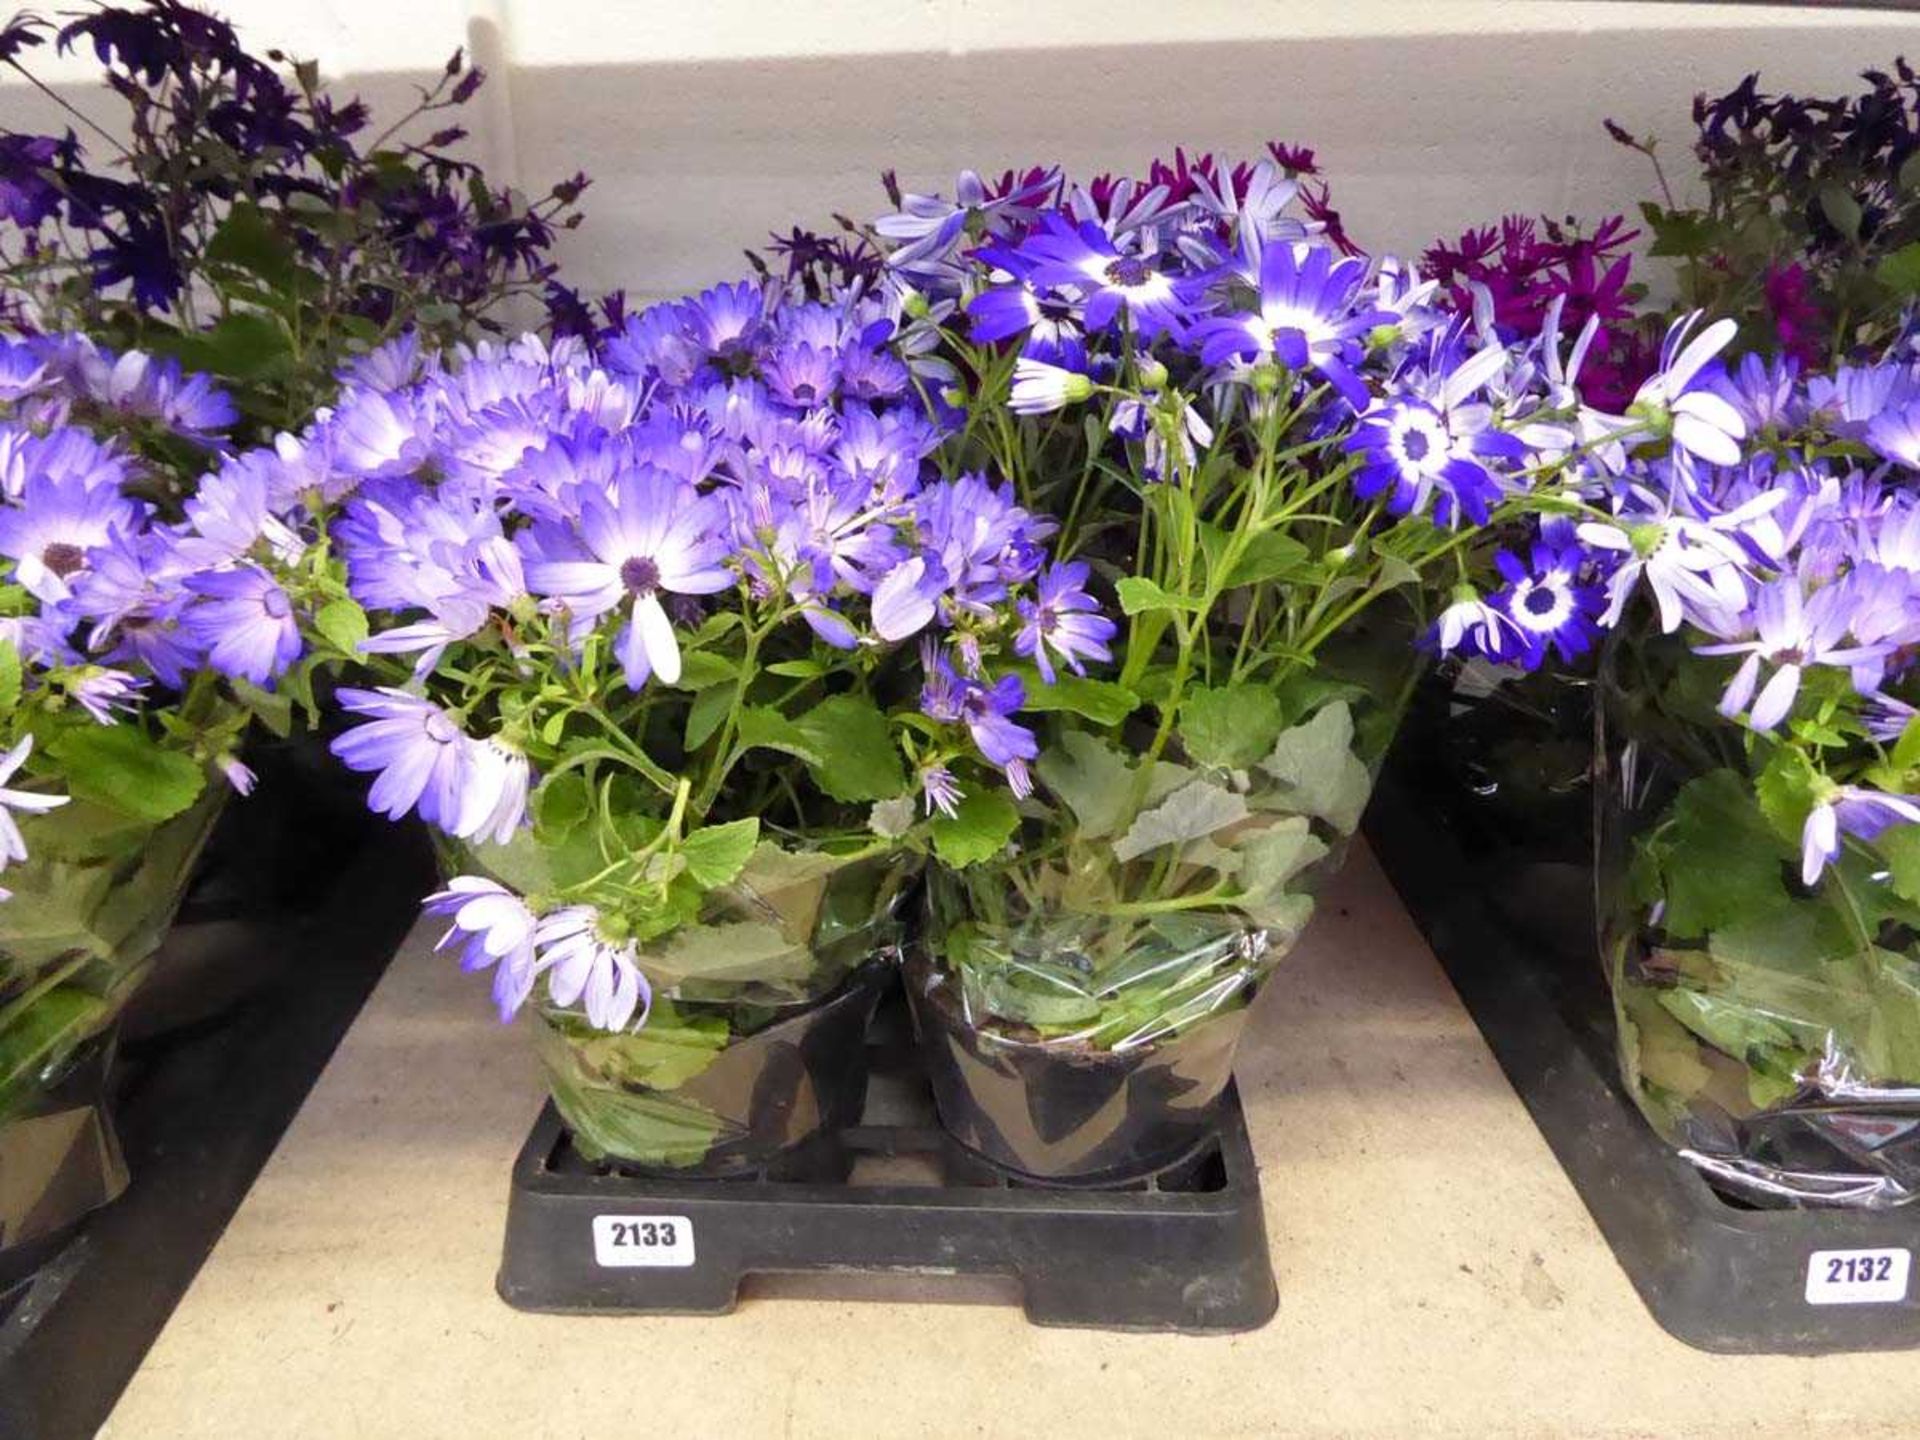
(1768, 1029)
(755, 1042)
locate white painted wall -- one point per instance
(707, 124)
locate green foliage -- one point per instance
(979, 829)
(122, 768)
(1721, 861)
(1232, 726)
(857, 759)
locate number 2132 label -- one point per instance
(627, 1241)
(1858, 1277)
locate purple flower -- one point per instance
(100, 692)
(987, 713)
(1306, 320)
(58, 521)
(375, 434)
(1083, 257)
(904, 600)
(1470, 625)
(1791, 632)
(244, 621)
(940, 791)
(1434, 450)
(1895, 434)
(583, 964)
(726, 321)
(1548, 602)
(654, 535)
(498, 929)
(424, 760)
(1063, 620)
(1865, 813)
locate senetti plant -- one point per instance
(1278, 459)
(1756, 568)
(244, 220)
(644, 620)
(137, 634)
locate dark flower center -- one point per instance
(641, 576)
(1415, 444)
(1128, 271)
(63, 559)
(803, 392)
(1540, 601)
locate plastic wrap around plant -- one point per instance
(1769, 1029)
(713, 1087)
(90, 907)
(1081, 1000)
(754, 1041)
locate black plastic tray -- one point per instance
(1715, 1274)
(1185, 1250)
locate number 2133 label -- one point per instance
(1858, 1277)
(628, 1241)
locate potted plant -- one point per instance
(1278, 460)
(139, 631)
(638, 620)
(1758, 821)
(229, 210)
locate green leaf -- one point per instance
(734, 950)
(858, 758)
(704, 716)
(1272, 857)
(1268, 556)
(1784, 789)
(1321, 775)
(702, 669)
(9, 677)
(1908, 178)
(124, 769)
(272, 708)
(1720, 857)
(797, 669)
(1900, 271)
(1137, 594)
(1090, 778)
(248, 241)
(1232, 726)
(245, 345)
(979, 829)
(1900, 847)
(718, 853)
(344, 623)
(765, 729)
(560, 805)
(1678, 232)
(1101, 701)
(1842, 210)
(1197, 808)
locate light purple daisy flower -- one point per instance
(655, 535)
(244, 621)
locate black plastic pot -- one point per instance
(1067, 1115)
(798, 1074)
